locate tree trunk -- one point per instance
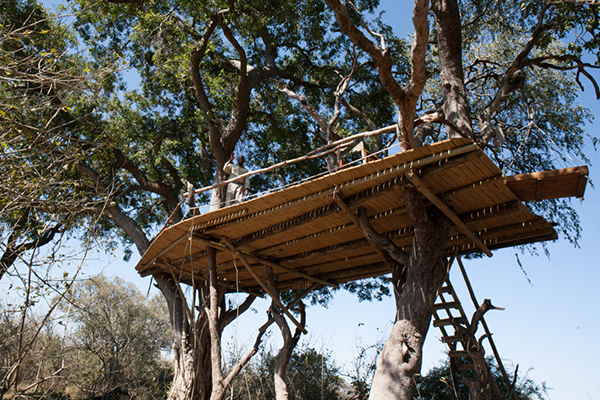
(284, 354)
(455, 104)
(191, 346)
(280, 370)
(400, 362)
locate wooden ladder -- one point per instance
(448, 311)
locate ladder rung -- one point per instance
(451, 339)
(445, 289)
(465, 367)
(458, 354)
(449, 321)
(446, 305)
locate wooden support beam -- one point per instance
(262, 284)
(291, 270)
(171, 269)
(471, 186)
(425, 191)
(166, 250)
(287, 225)
(278, 247)
(532, 236)
(344, 275)
(407, 232)
(382, 254)
(327, 267)
(262, 260)
(491, 212)
(333, 230)
(451, 162)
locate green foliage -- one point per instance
(119, 339)
(438, 384)
(47, 124)
(542, 122)
(311, 375)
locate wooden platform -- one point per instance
(307, 234)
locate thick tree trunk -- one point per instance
(280, 368)
(400, 361)
(284, 354)
(187, 375)
(455, 105)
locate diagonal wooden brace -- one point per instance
(425, 191)
(269, 263)
(262, 284)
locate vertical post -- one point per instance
(191, 199)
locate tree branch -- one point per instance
(382, 241)
(381, 57)
(512, 80)
(231, 315)
(579, 65)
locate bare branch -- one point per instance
(231, 315)
(577, 64)
(309, 109)
(199, 91)
(381, 57)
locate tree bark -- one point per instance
(400, 361)
(283, 356)
(191, 346)
(454, 94)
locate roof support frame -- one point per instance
(474, 216)
(168, 268)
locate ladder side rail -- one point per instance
(486, 329)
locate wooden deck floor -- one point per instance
(307, 234)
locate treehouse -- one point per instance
(309, 233)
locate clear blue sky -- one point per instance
(549, 326)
